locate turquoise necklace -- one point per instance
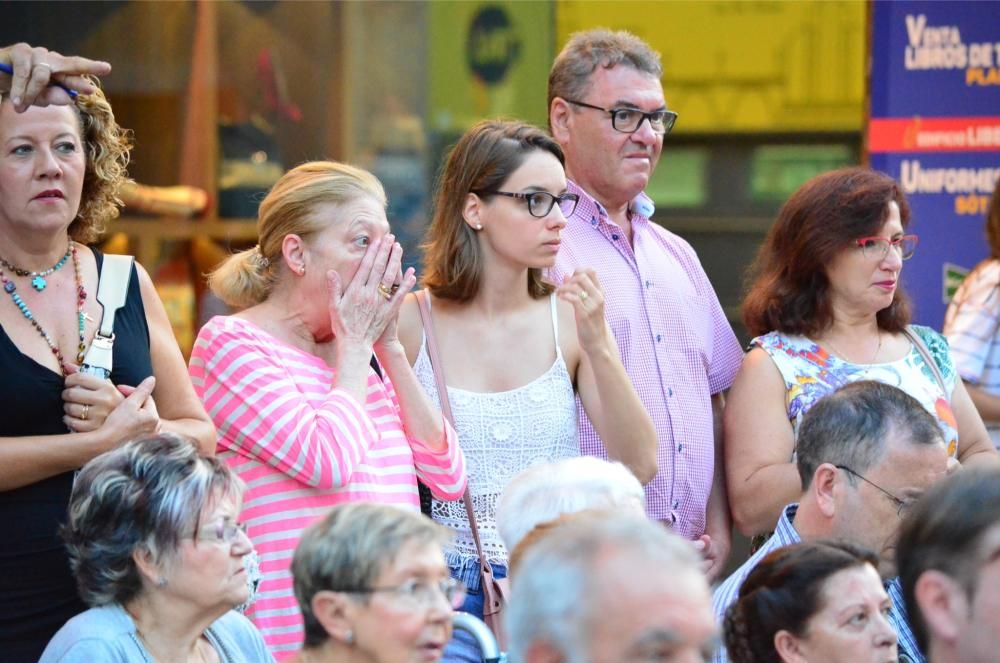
(38, 278)
(81, 298)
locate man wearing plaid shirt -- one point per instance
(865, 454)
(608, 112)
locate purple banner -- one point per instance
(930, 61)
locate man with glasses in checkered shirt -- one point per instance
(608, 113)
(865, 454)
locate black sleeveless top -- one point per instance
(37, 591)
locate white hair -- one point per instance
(542, 493)
(557, 590)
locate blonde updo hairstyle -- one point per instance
(248, 277)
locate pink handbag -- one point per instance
(494, 598)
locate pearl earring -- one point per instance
(479, 226)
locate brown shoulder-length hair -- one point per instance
(790, 291)
(481, 162)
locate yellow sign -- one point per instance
(746, 66)
(488, 59)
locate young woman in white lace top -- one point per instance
(515, 349)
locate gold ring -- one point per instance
(583, 295)
(385, 290)
(86, 412)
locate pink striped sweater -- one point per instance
(302, 447)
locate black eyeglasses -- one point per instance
(901, 505)
(540, 203)
(420, 593)
(628, 120)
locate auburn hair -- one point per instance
(790, 290)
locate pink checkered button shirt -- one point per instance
(675, 342)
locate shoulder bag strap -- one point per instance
(442, 389)
(112, 291)
(921, 347)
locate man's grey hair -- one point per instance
(555, 596)
(350, 548)
(852, 425)
(586, 51)
(542, 493)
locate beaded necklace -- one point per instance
(81, 297)
(38, 281)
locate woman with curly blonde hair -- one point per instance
(60, 170)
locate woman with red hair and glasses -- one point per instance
(826, 308)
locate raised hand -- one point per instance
(36, 67)
(584, 292)
(404, 283)
(362, 311)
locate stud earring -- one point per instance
(302, 270)
(161, 582)
(479, 226)
(349, 637)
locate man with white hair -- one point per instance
(600, 589)
(542, 493)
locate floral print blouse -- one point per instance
(811, 372)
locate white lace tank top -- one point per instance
(501, 434)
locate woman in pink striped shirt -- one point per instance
(302, 416)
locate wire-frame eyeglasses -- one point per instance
(901, 505)
(224, 531)
(876, 248)
(420, 593)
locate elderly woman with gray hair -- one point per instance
(373, 586)
(158, 555)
